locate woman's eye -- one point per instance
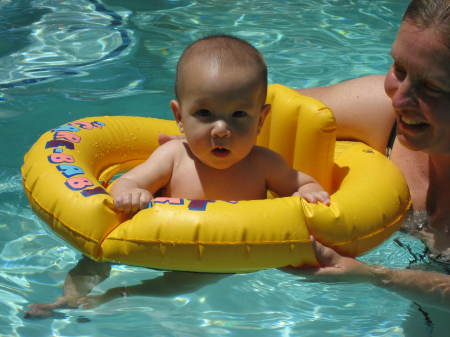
(239, 114)
(203, 113)
(432, 90)
(399, 72)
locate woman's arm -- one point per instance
(362, 109)
(424, 287)
(427, 288)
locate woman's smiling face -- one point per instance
(418, 84)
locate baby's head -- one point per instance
(220, 88)
(221, 55)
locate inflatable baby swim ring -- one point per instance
(66, 175)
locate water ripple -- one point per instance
(70, 37)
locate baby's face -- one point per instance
(220, 114)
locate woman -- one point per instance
(417, 103)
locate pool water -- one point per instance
(64, 60)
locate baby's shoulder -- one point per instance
(262, 152)
(264, 156)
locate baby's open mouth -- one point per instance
(221, 152)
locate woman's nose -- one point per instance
(220, 129)
(404, 94)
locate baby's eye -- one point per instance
(239, 114)
(203, 113)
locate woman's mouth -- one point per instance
(411, 124)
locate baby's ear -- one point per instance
(264, 112)
(175, 106)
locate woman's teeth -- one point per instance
(409, 121)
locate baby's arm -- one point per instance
(134, 190)
(285, 181)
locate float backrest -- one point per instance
(302, 130)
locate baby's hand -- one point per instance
(133, 200)
(313, 192)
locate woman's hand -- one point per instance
(334, 265)
(163, 138)
(425, 287)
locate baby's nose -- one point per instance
(220, 129)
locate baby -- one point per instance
(220, 91)
(220, 88)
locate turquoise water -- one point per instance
(63, 60)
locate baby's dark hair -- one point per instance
(226, 50)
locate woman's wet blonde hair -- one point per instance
(434, 14)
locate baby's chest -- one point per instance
(191, 182)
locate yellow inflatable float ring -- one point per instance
(67, 172)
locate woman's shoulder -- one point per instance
(362, 109)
